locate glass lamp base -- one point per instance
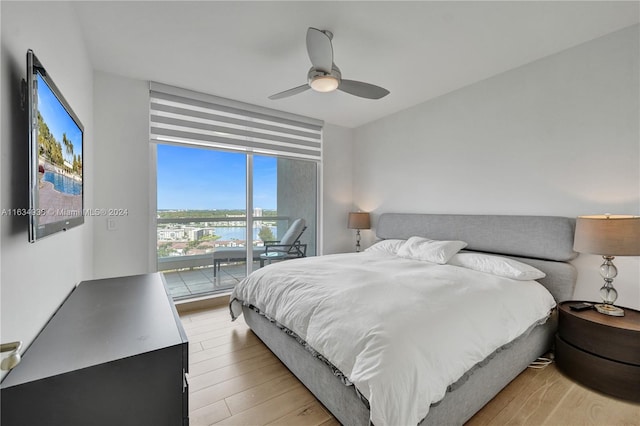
(610, 310)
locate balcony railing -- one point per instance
(186, 251)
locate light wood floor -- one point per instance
(236, 380)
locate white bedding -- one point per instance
(401, 330)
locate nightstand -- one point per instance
(600, 351)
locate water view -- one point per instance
(240, 233)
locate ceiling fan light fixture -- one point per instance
(326, 83)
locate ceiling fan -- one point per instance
(325, 76)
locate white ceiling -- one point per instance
(418, 50)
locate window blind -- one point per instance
(184, 116)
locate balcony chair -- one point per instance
(289, 247)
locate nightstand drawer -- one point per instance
(615, 338)
(610, 377)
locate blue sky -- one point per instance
(58, 120)
(202, 179)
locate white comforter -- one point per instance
(401, 330)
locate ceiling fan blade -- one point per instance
(290, 92)
(320, 50)
(364, 90)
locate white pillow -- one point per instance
(387, 246)
(497, 265)
(419, 248)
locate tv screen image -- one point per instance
(55, 155)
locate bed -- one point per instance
(359, 389)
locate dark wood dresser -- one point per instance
(114, 353)
(600, 351)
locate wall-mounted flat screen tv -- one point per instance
(56, 200)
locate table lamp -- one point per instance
(358, 221)
(608, 235)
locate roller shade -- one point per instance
(183, 116)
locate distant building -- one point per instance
(197, 233)
(183, 233)
(172, 234)
(257, 212)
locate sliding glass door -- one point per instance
(216, 209)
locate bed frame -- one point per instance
(544, 242)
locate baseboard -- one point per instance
(202, 303)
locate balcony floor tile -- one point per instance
(198, 282)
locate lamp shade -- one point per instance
(608, 235)
(359, 220)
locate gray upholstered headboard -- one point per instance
(545, 242)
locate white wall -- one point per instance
(122, 175)
(558, 136)
(36, 278)
(337, 197)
